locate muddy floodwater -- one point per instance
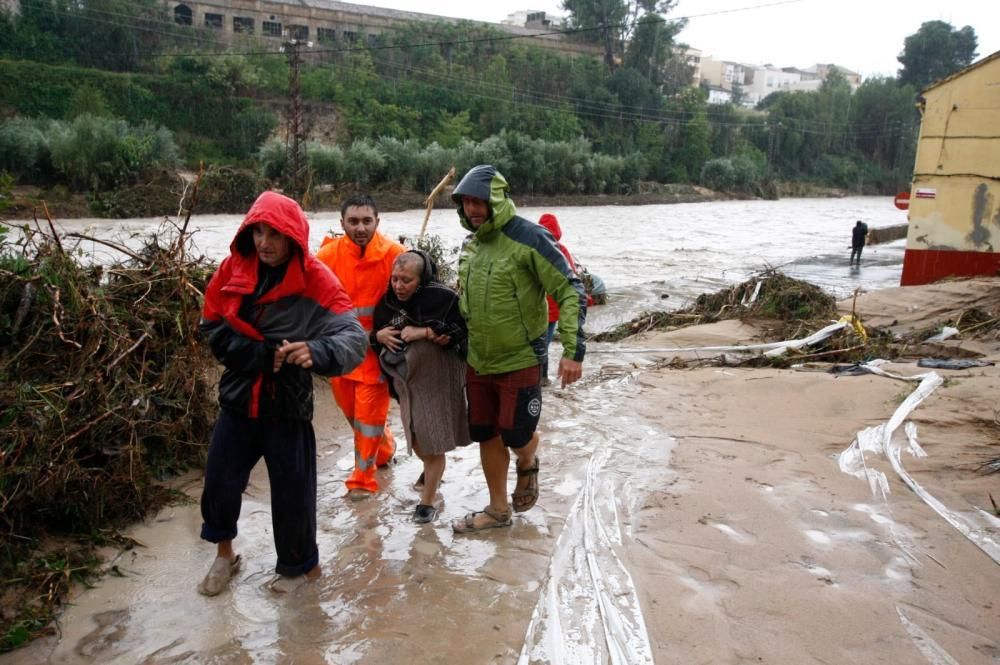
(556, 587)
(650, 257)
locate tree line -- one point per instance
(119, 88)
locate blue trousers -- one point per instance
(289, 451)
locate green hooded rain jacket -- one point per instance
(505, 269)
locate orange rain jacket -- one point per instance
(365, 278)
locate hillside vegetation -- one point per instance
(119, 90)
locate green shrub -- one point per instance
(24, 149)
(101, 153)
(837, 171)
(273, 160)
(87, 100)
(718, 174)
(365, 165)
(328, 163)
(746, 174)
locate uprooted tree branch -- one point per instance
(104, 392)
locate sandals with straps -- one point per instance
(528, 495)
(468, 523)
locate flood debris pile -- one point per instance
(104, 392)
(781, 307)
(769, 295)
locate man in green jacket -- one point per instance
(506, 267)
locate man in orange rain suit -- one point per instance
(362, 261)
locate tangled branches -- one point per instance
(104, 390)
(771, 295)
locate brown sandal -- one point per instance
(529, 491)
(468, 523)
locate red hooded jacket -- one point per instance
(550, 222)
(306, 303)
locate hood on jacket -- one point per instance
(280, 213)
(549, 221)
(485, 183)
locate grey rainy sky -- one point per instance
(862, 35)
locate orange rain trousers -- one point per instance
(366, 406)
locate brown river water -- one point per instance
(554, 588)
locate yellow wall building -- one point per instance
(954, 218)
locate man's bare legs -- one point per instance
(495, 458)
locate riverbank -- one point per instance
(716, 488)
(757, 545)
(162, 199)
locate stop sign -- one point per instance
(902, 201)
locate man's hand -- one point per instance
(389, 337)
(570, 371)
(294, 353)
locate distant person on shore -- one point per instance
(362, 260)
(272, 315)
(506, 267)
(858, 236)
(551, 223)
(421, 341)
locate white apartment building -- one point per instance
(762, 80)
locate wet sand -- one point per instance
(688, 516)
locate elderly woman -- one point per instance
(421, 341)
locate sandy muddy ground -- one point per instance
(687, 516)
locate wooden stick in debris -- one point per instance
(978, 325)
(190, 209)
(429, 201)
(55, 236)
(126, 352)
(112, 245)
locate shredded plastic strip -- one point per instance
(588, 611)
(932, 651)
(770, 348)
(879, 440)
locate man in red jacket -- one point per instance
(551, 224)
(272, 315)
(362, 259)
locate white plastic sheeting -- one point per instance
(880, 440)
(769, 349)
(930, 649)
(946, 333)
(588, 611)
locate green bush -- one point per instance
(718, 174)
(837, 171)
(273, 160)
(24, 149)
(365, 165)
(746, 174)
(400, 161)
(87, 100)
(328, 163)
(101, 153)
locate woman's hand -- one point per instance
(413, 333)
(389, 337)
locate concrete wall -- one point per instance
(954, 216)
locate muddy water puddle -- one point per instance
(549, 589)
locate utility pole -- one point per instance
(295, 137)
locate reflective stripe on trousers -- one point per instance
(365, 406)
